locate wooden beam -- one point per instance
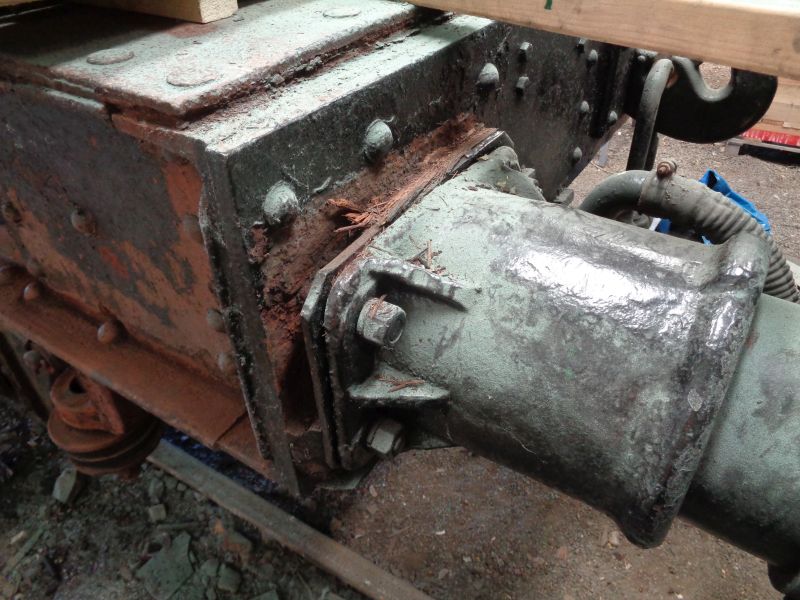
(274, 524)
(198, 11)
(757, 35)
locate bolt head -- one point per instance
(381, 322)
(613, 117)
(109, 332)
(378, 141)
(592, 57)
(525, 51)
(489, 77)
(32, 291)
(580, 45)
(280, 204)
(577, 155)
(522, 84)
(386, 438)
(584, 108)
(82, 221)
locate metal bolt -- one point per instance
(7, 273)
(381, 322)
(525, 51)
(593, 57)
(215, 320)
(613, 117)
(577, 155)
(111, 56)
(10, 212)
(580, 45)
(378, 141)
(522, 84)
(32, 291)
(83, 221)
(280, 204)
(109, 332)
(666, 168)
(386, 438)
(489, 77)
(584, 108)
(191, 227)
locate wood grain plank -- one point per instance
(758, 35)
(198, 11)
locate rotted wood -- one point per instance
(756, 35)
(273, 523)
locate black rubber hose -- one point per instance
(616, 194)
(690, 204)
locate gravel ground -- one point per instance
(457, 526)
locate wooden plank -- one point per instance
(273, 523)
(198, 11)
(758, 35)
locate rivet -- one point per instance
(522, 84)
(109, 332)
(191, 227)
(489, 77)
(215, 320)
(613, 117)
(584, 108)
(32, 291)
(525, 51)
(378, 141)
(32, 359)
(580, 45)
(7, 274)
(280, 204)
(593, 57)
(10, 212)
(82, 221)
(191, 76)
(111, 56)
(342, 13)
(226, 363)
(577, 155)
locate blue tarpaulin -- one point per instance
(716, 182)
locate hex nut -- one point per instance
(522, 84)
(280, 204)
(386, 438)
(378, 141)
(381, 322)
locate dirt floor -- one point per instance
(457, 526)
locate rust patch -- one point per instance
(113, 261)
(293, 256)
